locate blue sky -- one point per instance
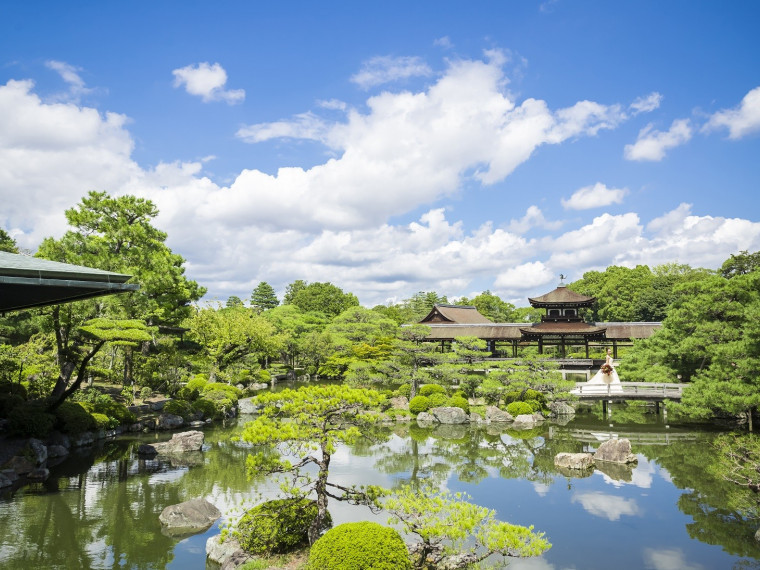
(391, 147)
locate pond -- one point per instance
(99, 508)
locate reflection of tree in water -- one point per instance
(714, 504)
(413, 457)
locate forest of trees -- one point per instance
(160, 337)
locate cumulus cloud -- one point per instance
(652, 145)
(610, 507)
(533, 218)
(207, 82)
(742, 120)
(387, 69)
(527, 276)
(596, 196)
(646, 104)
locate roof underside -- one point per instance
(562, 297)
(514, 331)
(27, 282)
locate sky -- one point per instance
(391, 147)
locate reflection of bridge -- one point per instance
(640, 438)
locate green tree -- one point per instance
(292, 290)
(324, 297)
(740, 264)
(263, 297)
(234, 301)
(302, 334)
(448, 524)
(7, 243)
(298, 423)
(492, 307)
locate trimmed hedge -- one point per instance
(277, 526)
(359, 546)
(519, 408)
(30, 420)
(74, 418)
(404, 390)
(437, 400)
(460, 402)
(206, 407)
(419, 404)
(430, 389)
(178, 408)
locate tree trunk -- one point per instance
(57, 400)
(749, 417)
(321, 489)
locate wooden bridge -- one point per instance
(657, 392)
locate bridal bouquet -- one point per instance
(606, 368)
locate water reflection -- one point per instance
(100, 509)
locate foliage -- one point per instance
(437, 400)
(520, 408)
(207, 408)
(492, 307)
(263, 297)
(358, 545)
(448, 524)
(73, 418)
(102, 421)
(293, 424)
(179, 408)
(460, 402)
(277, 526)
(7, 243)
(30, 420)
(430, 389)
(323, 297)
(404, 390)
(419, 404)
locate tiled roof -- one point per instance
(562, 296)
(460, 314)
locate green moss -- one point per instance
(359, 546)
(419, 404)
(277, 526)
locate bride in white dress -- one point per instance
(607, 376)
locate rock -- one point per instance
(237, 559)
(146, 450)
(83, 439)
(220, 552)
(574, 460)
(240, 387)
(135, 427)
(539, 417)
(449, 415)
(399, 403)
(158, 405)
(246, 406)
(139, 409)
(58, 438)
(257, 386)
(757, 535)
(39, 451)
(561, 409)
(190, 517)
(181, 442)
(20, 465)
(496, 415)
(57, 451)
(615, 451)
(5, 481)
(424, 419)
(450, 431)
(169, 421)
(524, 421)
(39, 474)
(476, 418)
(197, 424)
(9, 474)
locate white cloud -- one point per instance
(70, 75)
(646, 104)
(533, 218)
(668, 559)
(525, 277)
(387, 69)
(207, 82)
(742, 120)
(596, 196)
(444, 42)
(610, 507)
(652, 145)
(304, 126)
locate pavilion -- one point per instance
(561, 326)
(27, 282)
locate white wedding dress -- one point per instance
(605, 383)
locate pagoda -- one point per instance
(562, 324)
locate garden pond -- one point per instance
(100, 507)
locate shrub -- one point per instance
(102, 421)
(534, 395)
(437, 400)
(114, 410)
(13, 388)
(535, 405)
(232, 393)
(404, 390)
(73, 418)
(514, 396)
(419, 404)
(206, 407)
(145, 392)
(277, 526)
(30, 420)
(263, 376)
(430, 389)
(359, 545)
(8, 402)
(178, 408)
(460, 402)
(187, 394)
(519, 408)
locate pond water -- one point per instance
(99, 508)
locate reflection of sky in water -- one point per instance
(606, 506)
(668, 559)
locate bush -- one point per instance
(114, 410)
(535, 405)
(357, 546)
(178, 408)
(437, 400)
(460, 402)
(231, 392)
(30, 420)
(519, 408)
(102, 421)
(206, 407)
(419, 404)
(515, 396)
(145, 392)
(263, 376)
(430, 389)
(277, 526)
(534, 395)
(404, 390)
(197, 382)
(187, 394)
(13, 388)
(73, 418)
(8, 402)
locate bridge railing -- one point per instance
(632, 389)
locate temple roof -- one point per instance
(562, 297)
(460, 314)
(27, 282)
(490, 331)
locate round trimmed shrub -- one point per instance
(187, 394)
(514, 396)
(263, 376)
(419, 404)
(197, 382)
(8, 402)
(278, 526)
(519, 408)
(102, 421)
(430, 389)
(115, 410)
(359, 546)
(534, 395)
(13, 388)
(231, 392)
(437, 400)
(404, 390)
(206, 407)
(178, 408)
(145, 392)
(73, 418)
(460, 402)
(30, 420)
(534, 404)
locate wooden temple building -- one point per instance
(562, 326)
